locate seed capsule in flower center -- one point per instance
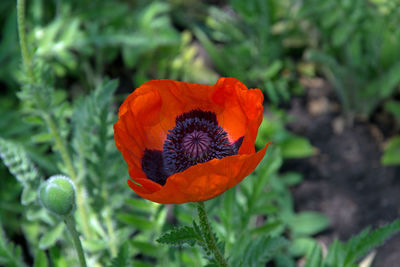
(196, 138)
(196, 143)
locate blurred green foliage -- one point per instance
(347, 254)
(255, 41)
(357, 45)
(391, 155)
(61, 121)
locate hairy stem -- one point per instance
(69, 221)
(110, 228)
(62, 148)
(22, 39)
(208, 235)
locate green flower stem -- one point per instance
(69, 221)
(109, 226)
(62, 148)
(208, 235)
(22, 39)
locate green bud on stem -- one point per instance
(57, 195)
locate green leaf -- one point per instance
(301, 246)
(139, 222)
(42, 138)
(267, 228)
(273, 69)
(94, 245)
(336, 254)
(389, 81)
(140, 204)
(342, 33)
(50, 238)
(28, 195)
(331, 18)
(145, 247)
(361, 244)
(179, 236)
(270, 89)
(292, 178)
(40, 259)
(18, 162)
(391, 155)
(57, 257)
(315, 257)
(212, 50)
(10, 255)
(308, 223)
(394, 108)
(297, 147)
(122, 258)
(261, 250)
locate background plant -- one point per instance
(356, 45)
(256, 42)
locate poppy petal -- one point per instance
(242, 112)
(202, 181)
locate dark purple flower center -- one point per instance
(196, 143)
(196, 138)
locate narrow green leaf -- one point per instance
(94, 245)
(301, 246)
(308, 223)
(28, 195)
(336, 254)
(179, 236)
(273, 69)
(360, 245)
(315, 257)
(391, 155)
(342, 33)
(136, 221)
(10, 255)
(42, 138)
(40, 259)
(50, 238)
(122, 258)
(297, 147)
(212, 50)
(18, 162)
(261, 250)
(145, 247)
(270, 89)
(267, 228)
(139, 204)
(292, 178)
(394, 108)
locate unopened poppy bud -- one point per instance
(57, 194)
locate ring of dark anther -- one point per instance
(196, 138)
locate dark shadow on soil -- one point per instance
(345, 179)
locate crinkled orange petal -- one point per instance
(242, 111)
(145, 186)
(202, 181)
(179, 97)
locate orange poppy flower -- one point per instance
(187, 142)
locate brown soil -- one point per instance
(345, 179)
